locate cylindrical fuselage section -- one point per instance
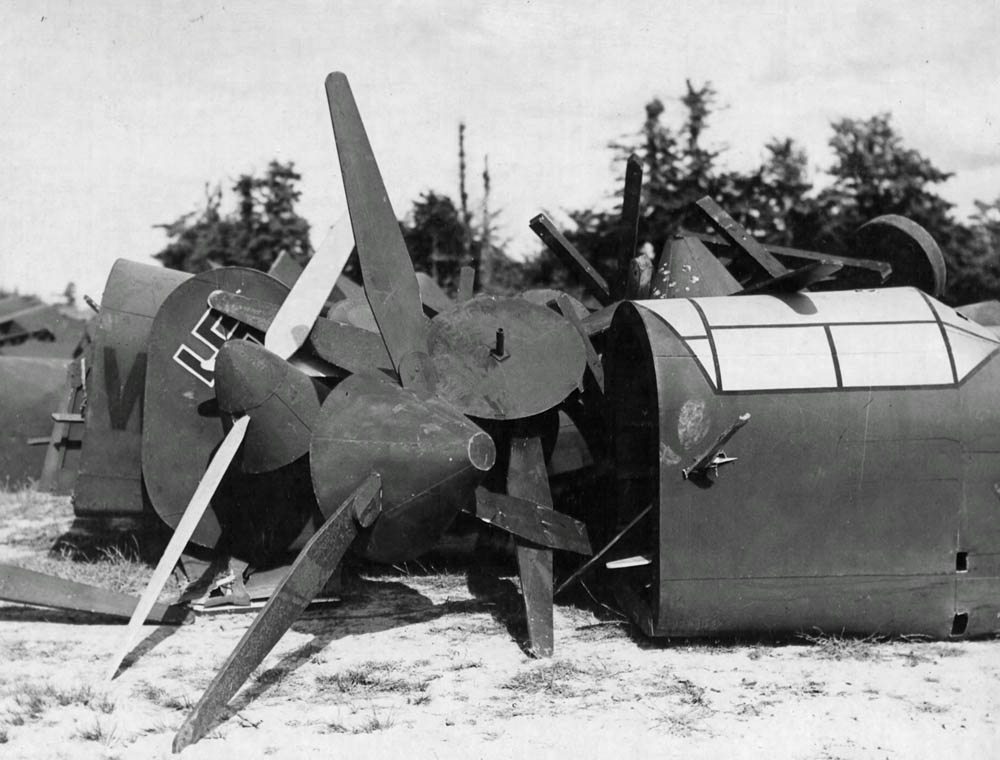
(859, 494)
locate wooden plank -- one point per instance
(599, 321)
(795, 280)
(579, 572)
(639, 279)
(526, 478)
(531, 521)
(466, 283)
(30, 587)
(571, 258)
(432, 297)
(593, 359)
(182, 533)
(630, 224)
(297, 313)
(309, 573)
(390, 283)
(737, 236)
(880, 269)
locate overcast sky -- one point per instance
(113, 115)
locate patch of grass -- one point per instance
(33, 699)
(104, 703)
(553, 679)
(840, 647)
(148, 691)
(374, 676)
(375, 722)
(465, 664)
(98, 732)
(177, 702)
(4, 736)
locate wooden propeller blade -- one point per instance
(309, 573)
(298, 312)
(390, 283)
(182, 533)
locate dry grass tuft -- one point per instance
(841, 647)
(554, 679)
(373, 676)
(98, 731)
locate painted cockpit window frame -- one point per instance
(889, 338)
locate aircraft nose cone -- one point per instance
(430, 456)
(282, 403)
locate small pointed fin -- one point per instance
(309, 573)
(298, 312)
(390, 283)
(571, 258)
(182, 533)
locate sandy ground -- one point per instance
(419, 666)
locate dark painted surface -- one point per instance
(110, 477)
(30, 390)
(430, 456)
(181, 419)
(847, 509)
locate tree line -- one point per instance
(872, 173)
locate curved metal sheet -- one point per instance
(181, 423)
(543, 359)
(430, 457)
(915, 258)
